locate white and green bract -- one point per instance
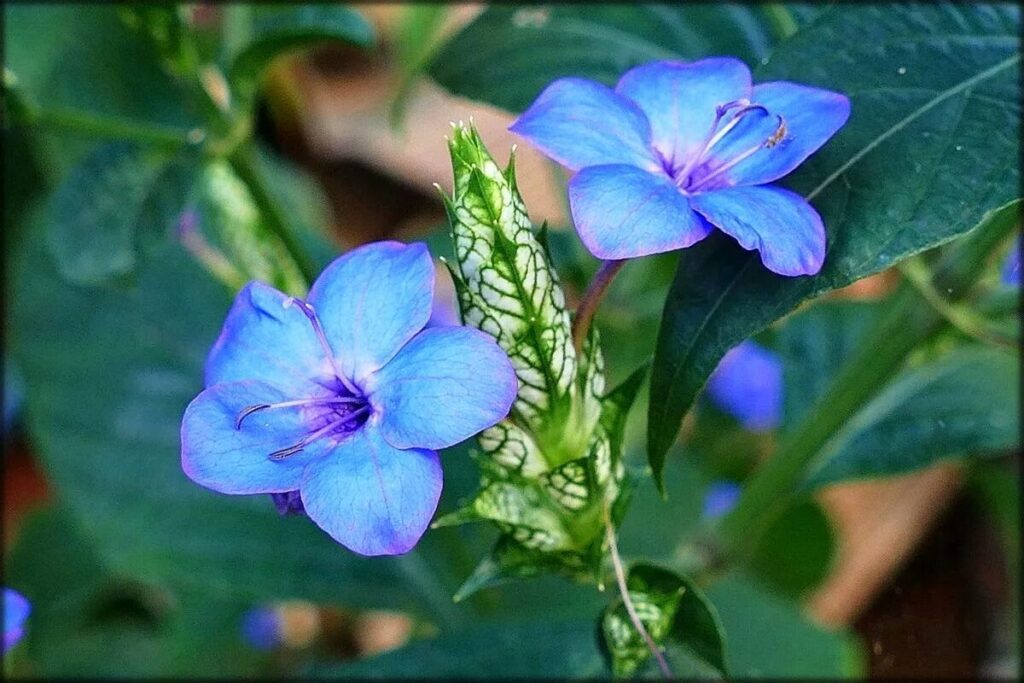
(552, 466)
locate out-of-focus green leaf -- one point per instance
(277, 29)
(510, 649)
(795, 553)
(94, 213)
(934, 90)
(87, 621)
(416, 39)
(813, 346)
(508, 54)
(769, 637)
(965, 403)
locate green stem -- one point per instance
(99, 125)
(781, 19)
(243, 161)
(907, 323)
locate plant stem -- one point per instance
(243, 161)
(907, 323)
(620, 579)
(98, 125)
(592, 299)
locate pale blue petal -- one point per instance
(217, 455)
(720, 498)
(748, 385)
(446, 385)
(780, 224)
(1011, 266)
(622, 212)
(373, 300)
(680, 98)
(811, 117)
(267, 338)
(581, 123)
(371, 497)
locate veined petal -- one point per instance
(371, 497)
(679, 99)
(265, 338)
(218, 455)
(580, 123)
(624, 212)
(444, 386)
(780, 224)
(371, 301)
(811, 117)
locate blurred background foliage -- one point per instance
(158, 157)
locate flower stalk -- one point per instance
(592, 298)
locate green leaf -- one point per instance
(507, 288)
(86, 621)
(541, 649)
(94, 213)
(276, 30)
(769, 637)
(508, 54)
(795, 553)
(965, 403)
(414, 42)
(668, 605)
(891, 184)
(108, 375)
(813, 345)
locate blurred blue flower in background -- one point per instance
(14, 394)
(345, 398)
(16, 611)
(261, 628)
(678, 149)
(1011, 266)
(720, 497)
(748, 385)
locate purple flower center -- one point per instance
(337, 413)
(698, 171)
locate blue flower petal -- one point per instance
(1011, 266)
(444, 386)
(16, 611)
(266, 338)
(811, 117)
(780, 224)
(680, 98)
(748, 385)
(373, 498)
(720, 498)
(217, 455)
(373, 300)
(623, 212)
(261, 628)
(581, 123)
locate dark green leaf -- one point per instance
(542, 649)
(813, 346)
(769, 637)
(795, 553)
(934, 91)
(508, 54)
(276, 30)
(965, 403)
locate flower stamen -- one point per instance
(249, 410)
(777, 135)
(320, 433)
(310, 314)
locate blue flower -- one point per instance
(747, 384)
(345, 398)
(678, 149)
(16, 611)
(720, 497)
(1011, 266)
(261, 628)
